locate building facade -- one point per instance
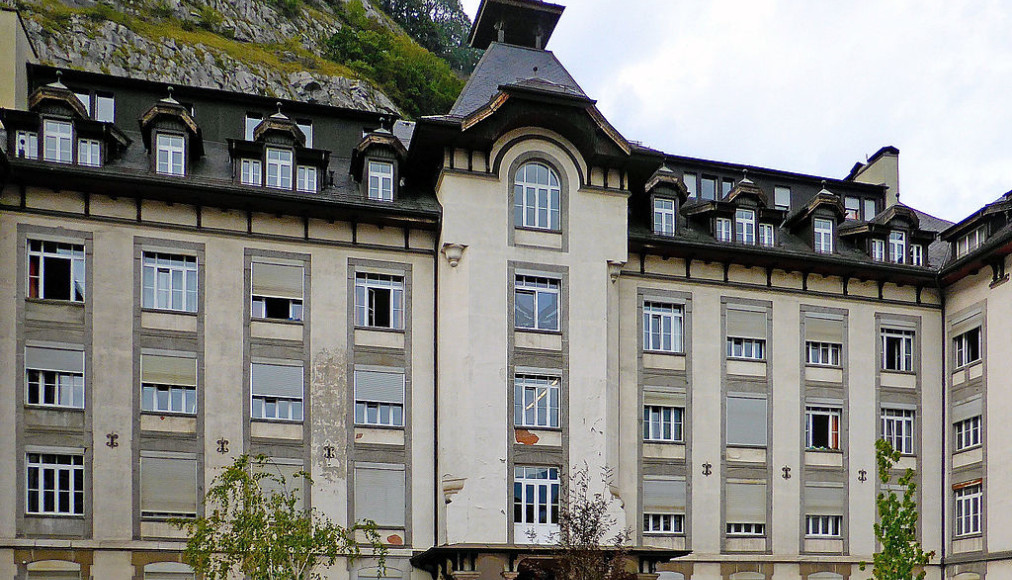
(440, 320)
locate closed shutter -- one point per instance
(54, 570)
(746, 503)
(286, 470)
(663, 398)
(168, 370)
(379, 495)
(168, 485)
(746, 421)
(168, 576)
(966, 409)
(53, 575)
(967, 321)
(68, 360)
(663, 495)
(271, 380)
(277, 280)
(746, 324)
(379, 387)
(824, 500)
(168, 571)
(824, 328)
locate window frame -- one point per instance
(767, 235)
(962, 347)
(723, 230)
(970, 242)
(905, 362)
(691, 182)
(63, 142)
(366, 286)
(878, 250)
(968, 433)
(543, 211)
(93, 147)
(905, 420)
(291, 415)
(968, 522)
(654, 524)
(757, 347)
(307, 179)
(745, 530)
(823, 526)
(547, 416)
(779, 190)
(77, 275)
(711, 180)
(852, 213)
(283, 165)
(526, 506)
(916, 255)
(665, 218)
(898, 247)
(745, 226)
(823, 241)
(538, 287)
(396, 412)
(834, 425)
(380, 183)
(829, 354)
(188, 271)
(166, 144)
(655, 423)
(76, 488)
(251, 171)
(31, 144)
(655, 315)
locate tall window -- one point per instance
(276, 291)
(380, 494)
(746, 334)
(56, 271)
(823, 230)
(55, 484)
(690, 181)
(766, 235)
(898, 429)
(381, 181)
(252, 172)
(852, 207)
(726, 185)
(250, 125)
(306, 126)
(822, 428)
(745, 509)
(306, 179)
(105, 108)
(897, 350)
(57, 141)
(878, 250)
(26, 144)
(746, 421)
(536, 401)
(870, 209)
(536, 193)
(663, 505)
(535, 503)
(897, 247)
(968, 504)
(744, 226)
(169, 282)
(55, 377)
(823, 353)
(168, 485)
(279, 168)
(968, 433)
(917, 254)
(168, 384)
(967, 347)
(722, 229)
(379, 398)
(379, 301)
(277, 391)
(708, 188)
(664, 216)
(782, 197)
(662, 327)
(89, 152)
(169, 154)
(536, 303)
(662, 423)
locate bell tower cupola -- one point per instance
(526, 23)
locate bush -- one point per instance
(289, 8)
(209, 19)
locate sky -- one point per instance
(808, 86)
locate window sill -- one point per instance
(819, 366)
(666, 534)
(379, 329)
(823, 450)
(664, 352)
(746, 359)
(168, 414)
(968, 536)
(54, 408)
(965, 449)
(381, 427)
(169, 311)
(664, 442)
(288, 321)
(823, 537)
(538, 428)
(540, 230)
(60, 516)
(967, 365)
(55, 302)
(537, 330)
(899, 372)
(275, 421)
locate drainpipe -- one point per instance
(435, 393)
(945, 426)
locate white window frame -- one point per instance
(767, 237)
(279, 168)
(251, 172)
(39, 253)
(898, 247)
(536, 202)
(55, 388)
(968, 510)
(306, 126)
(744, 226)
(58, 143)
(905, 352)
(89, 152)
(105, 108)
(663, 524)
(306, 179)
(825, 354)
(73, 493)
(834, 435)
(822, 230)
(898, 429)
(31, 142)
(971, 241)
(178, 399)
(722, 229)
(782, 197)
(367, 287)
(745, 529)
(746, 348)
(963, 346)
(381, 181)
(373, 413)
(852, 208)
(285, 409)
(690, 180)
(169, 157)
(662, 423)
(968, 433)
(916, 255)
(536, 401)
(878, 250)
(250, 123)
(541, 288)
(664, 216)
(161, 272)
(823, 526)
(662, 327)
(536, 503)
(870, 209)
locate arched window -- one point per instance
(168, 571)
(536, 195)
(825, 576)
(748, 576)
(54, 570)
(669, 575)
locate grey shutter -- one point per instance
(663, 495)
(272, 380)
(825, 501)
(663, 398)
(746, 421)
(966, 409)
(379, 387)
(169, 485)
(746, 503)
(277, 280)
(54, 575)
(287, 471)
(68, 360)
(746, 324)
(168, 370)
(168, 576)
(823, 329)
(379, 495)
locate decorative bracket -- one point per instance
(112, 442)
(222, 445)
(863, 475)
(707, 469)
(787, 472)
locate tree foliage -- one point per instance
(441, 26)
(263, 534)
(896, 531)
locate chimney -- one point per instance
(16, 51)
(883, 168)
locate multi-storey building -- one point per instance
(439, 320)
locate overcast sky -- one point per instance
(811, 87)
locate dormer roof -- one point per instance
(746, 188)
(281, 125)
(664, 180)
(57, 95)
(169, 109)
(823, 199)
(378, 139)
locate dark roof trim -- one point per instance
(772, 174)
(999, 245)
(534, 13)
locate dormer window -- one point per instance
(708, 188)
(823, 235)
(89, 152)
(782, 197)
(306, 179)
(916, 255)
(381, 181)
(766, 235)
(870, 209)
(279, 168)
(970, 242)
(878, 250)
(897, 247)
(744, 226)
(57, 140)
(251, 172)
(251, 122)
(690, 183)
(722, 230)
(306, 126)
(664, 216)
(852, 207)
(26, 144)
(169, 154)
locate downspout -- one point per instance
(945, 425)
(435, 393)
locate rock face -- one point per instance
(247, 46)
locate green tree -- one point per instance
(896, 531)
(250, 530)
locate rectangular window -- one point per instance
(169, 156)
(279, 168)
(306, 126)
(726, 186)
(822, 428)
(168, 486)
(746, 333)
(57, 141)
(252, 172)
(898, 429)
(968, 504)
(746, 421)
(722, 229)
(823, 526)
(306, 179)
(56, 271)
(379, 398)
(746, 530)
(663, 523)
(536, 303)
(970, 241)
(169, 282)
(663, 505)
(750, 348)
(662, 327)
(897, 247)
(55, 377)
(878, 250)
(744, 226)
(105, 108)
(967, 347)
(823, 353)
(968, 433)
(690, 183)
(852, 207)
(381, 181)
(276, 391)
(379, 494)
(536, 500)
(55, 484)
(168, 384)
(85, 99)
(662, 423)
(766, 235)
(89, 152)
(745, 507)
(823, 230)
(379, 301)
(276, 290)
(870, 209)
(917, 255)
(782, 197)
(250, 125)
(536, 401)
(26, 143)
(897, 350)
(664, 216)
(708, 188)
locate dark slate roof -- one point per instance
(404, 131)
(504, 64)
(938, 251)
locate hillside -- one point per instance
(284, 48)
